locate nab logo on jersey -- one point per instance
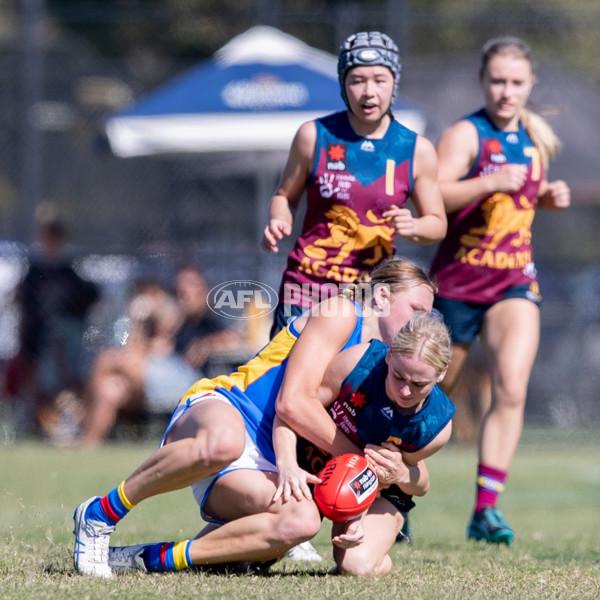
(496, 152)
(336, 157)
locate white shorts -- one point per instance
(251, 458)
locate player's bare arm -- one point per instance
(411, 478)
(293, 481)
(457, 150)
(555, 195)
(298, 401)
(291, 187)
(426, 196)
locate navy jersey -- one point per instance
(367, 416)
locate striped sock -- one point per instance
(490, 484)
(167, 556)
(111, 508)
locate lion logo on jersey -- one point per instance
(502, 218)
(347, 233)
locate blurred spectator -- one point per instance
(203, 337)
(116, 386)
(53, 302)
(169, 342)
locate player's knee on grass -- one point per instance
(362, 562)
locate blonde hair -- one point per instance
(426, 337)
(542, 135)
(397, 273)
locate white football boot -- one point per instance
(304, 552)
(126, 559)
(91, 543)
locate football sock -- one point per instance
(167, 556)
(490, 484)
(111, 508)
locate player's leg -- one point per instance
(510, 339)
(371, 558)
(255, 528)
(206, 437)
(460, 353)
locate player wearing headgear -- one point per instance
(358, 168)
(366, 49)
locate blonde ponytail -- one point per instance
(542, 135)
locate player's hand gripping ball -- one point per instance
(348, 487)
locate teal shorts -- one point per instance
(465, 319)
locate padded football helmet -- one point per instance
(366, 49)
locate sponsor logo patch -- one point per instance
(364, 484)
(336, 157)
(496, 153)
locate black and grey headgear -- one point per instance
(367, 49)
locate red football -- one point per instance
(348, 488)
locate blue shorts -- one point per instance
(465, 319)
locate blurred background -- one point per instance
(68, 68)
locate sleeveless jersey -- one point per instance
(487, 249)
(367, 416)
(253, 387)
(354, 180)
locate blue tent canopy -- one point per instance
(253, 95)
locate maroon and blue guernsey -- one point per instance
(353, 182)
(488, 246)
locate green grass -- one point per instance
(552, 500)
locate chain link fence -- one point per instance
(130, 218)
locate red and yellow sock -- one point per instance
(111, 508)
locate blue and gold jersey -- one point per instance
(487, 249)
(253, 387)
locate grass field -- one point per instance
(552, 500)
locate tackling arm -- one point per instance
(298, 402)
